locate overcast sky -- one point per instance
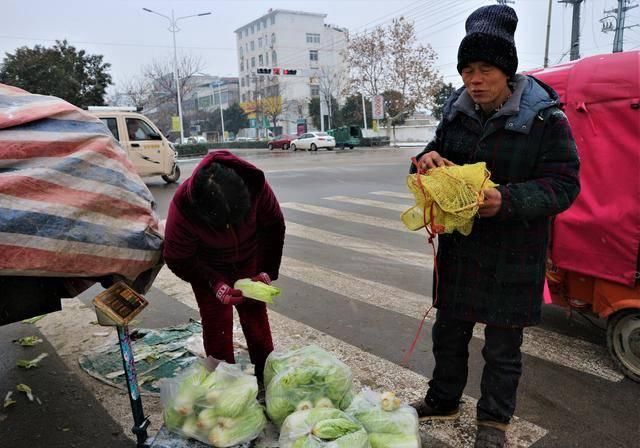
(129, 38)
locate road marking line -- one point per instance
(371, 371)
(376, 249)
(547, 345)
(369, 203)
(393, 194)
(347, 216)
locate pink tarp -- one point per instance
(600, 234)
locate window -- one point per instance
(244, 98)
(252, 29)
(260, 42)
(260, 61)
(313, 38)
(253, 45)
(253, 62)
(274, 57)
(273, 20)
(242, 82)
(246, 32)
(139, 130)
(313, 56)
(315, 91)
(112, 124)
(259, 23)
(264, 24)
(241, 65)
(273, 39)
(266, 58)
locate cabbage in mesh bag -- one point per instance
(305, 378)
(218, 407)
(389, 423)
(322, 427)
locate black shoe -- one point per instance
(426, 412)
(490, 437)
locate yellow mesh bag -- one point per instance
(447, 198)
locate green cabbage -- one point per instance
(322, 428)
(256, 290)
(379, 440)
(309, 375)
(233, 431)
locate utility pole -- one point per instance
(364, 110)
(619, 18)
(546, 45)
(575, 28)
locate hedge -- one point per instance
(199, 149)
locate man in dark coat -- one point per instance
(225, 224)
(496, 274)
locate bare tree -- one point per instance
(331, 84)
(161, 78)
(366, 55)
(136, 92)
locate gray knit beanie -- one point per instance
(489, 38)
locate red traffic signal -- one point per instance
(289, 71)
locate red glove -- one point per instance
(262, 277)
(226, 294)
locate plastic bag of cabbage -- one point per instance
(218, 408)
(305, 378)
(322, 427)
(389, 423)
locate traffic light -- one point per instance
(289, 71)
(276, 71)
(263, 71)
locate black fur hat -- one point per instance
(489, 38)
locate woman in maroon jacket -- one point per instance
(225, 224)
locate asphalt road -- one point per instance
(360, 278)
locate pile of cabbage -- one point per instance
(388, 422)
(322, 427)
(305, 378)
(219, 408)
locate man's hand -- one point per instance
(491, 204)
(227, 295)
(432, 160)
(262, 277)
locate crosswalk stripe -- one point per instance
(369, 202)
(347, 216)
(379, 373)
(393, 194)
(553, 347)
(377, 249)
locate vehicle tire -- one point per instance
(174, 176)
(294, 147)
(285, 146)
(623, 341)
(313, 147)
(270, 146)
(329, 148)
(351, 147)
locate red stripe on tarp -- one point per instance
(27, 259)
(28, 113)
(40, 190)
(21, 149)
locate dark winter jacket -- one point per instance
(496, 274)
(202, 255)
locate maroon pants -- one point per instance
(217, 328)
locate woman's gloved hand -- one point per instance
(226, 294)
(262, 277)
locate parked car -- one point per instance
(149, 151)
(282, 141)
(314, 140)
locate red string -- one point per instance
(432, 232)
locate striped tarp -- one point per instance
(71, 203)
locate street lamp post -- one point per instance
(173, 28)
(219, 104)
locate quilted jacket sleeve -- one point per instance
(555, 183)
(270, 231)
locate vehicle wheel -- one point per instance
(285, 147)
(174, 176)
(351, 147)
(329, 148)
(294, 147)
(623, 340)
(313, 147)
(270, 146)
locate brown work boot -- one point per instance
(426, 412)
(490, 437)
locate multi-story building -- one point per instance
(210, 91)
(285, 41)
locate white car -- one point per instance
(314, 140)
